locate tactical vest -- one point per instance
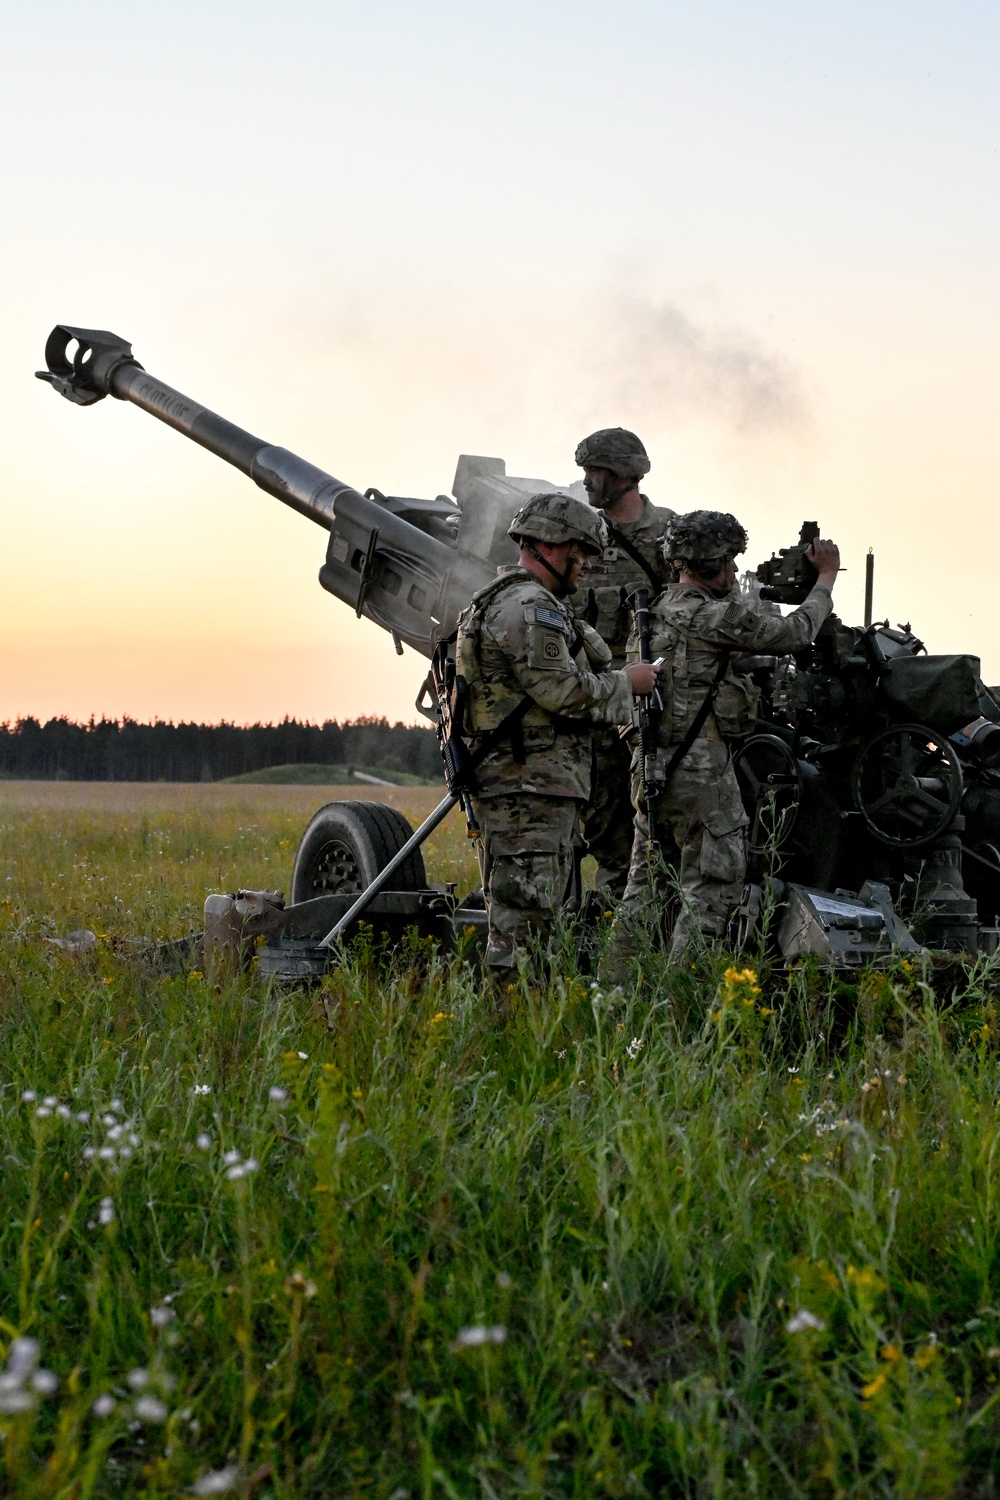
(602, 600)
(734, 700)
(490, 701)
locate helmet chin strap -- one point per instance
(616, 488)
(563, 579)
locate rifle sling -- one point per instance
(695, 727)
(622, 541)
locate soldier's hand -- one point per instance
(642, 675)
(825, 558)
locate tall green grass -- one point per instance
(716, 1233)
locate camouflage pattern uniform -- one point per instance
(601, 601)
(700, 820)
(518, 639)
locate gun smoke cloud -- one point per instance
(530, 367)
(657, 359)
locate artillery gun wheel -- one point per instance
(907, 785)
(346, 845)
(771, 787)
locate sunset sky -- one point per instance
(765, 235)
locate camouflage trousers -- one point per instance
(608, 816)
(530, 863)
(701, 830)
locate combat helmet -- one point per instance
(556, 518)
(616, 449)
(701, 538)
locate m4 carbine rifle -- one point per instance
(646, 710)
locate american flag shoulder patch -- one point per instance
(736, 613)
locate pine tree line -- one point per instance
(106, 750)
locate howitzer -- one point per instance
(788, 575)
(871, 787)
(871, 784)
(410, 565)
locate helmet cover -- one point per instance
(702, 536)
(556, 518)
(615, 449)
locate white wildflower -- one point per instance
(50, 1101)
(802, 1320)
(83, 1118)
(88, 1153)
(29, 1096)
(106, 1212)
(150, 1409)
(106, 1153)
(276, 1096)
(103, 1406)
(634, 1047)
(217, 1481)
(22, 1357)
(137, 1379)
(202, 1088)
(475, 1336)
(241, 1169)
(160, 1316)
(116, 1104)
(15, 1400)
(124, 1152)
(64, 1112)
(43, 1112)
(230, 1158)
(203, 1141)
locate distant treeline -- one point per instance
(105, 750)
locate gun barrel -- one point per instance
(380, 560)
(102, 364)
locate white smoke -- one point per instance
(654, 358)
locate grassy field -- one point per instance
(719, 1234)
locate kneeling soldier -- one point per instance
(698, 624)
(520, 647)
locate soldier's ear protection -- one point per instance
(709, 567)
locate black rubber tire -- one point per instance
(346, 845)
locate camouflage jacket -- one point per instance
(516, 639)
(694, 630)
(600, 600)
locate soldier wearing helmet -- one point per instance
(613, 462)
(520, 643)
(701, 625)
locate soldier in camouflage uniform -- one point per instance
(613, 462)
(519, 641)
(699, 624)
